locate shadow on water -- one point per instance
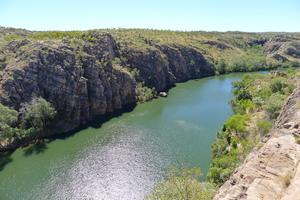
(37, 148)
(97, 122)
(5, 158)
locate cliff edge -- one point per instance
(271, 171)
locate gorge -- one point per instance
(129, 154)
(89, 75)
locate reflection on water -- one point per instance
(125, 168)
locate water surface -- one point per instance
(129, 154)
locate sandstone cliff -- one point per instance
(83, 81)
(92, 73)
(271, 172)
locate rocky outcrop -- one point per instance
(80, 89)
(92, 73)
(82, 81)
(272, 171)
(283, 49)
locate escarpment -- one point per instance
(82, 80)
(86, 74)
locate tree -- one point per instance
(8, 119)
(8, 116)
(38, 113)
(241, 91)
(221, 66)
(183, 184)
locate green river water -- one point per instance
(129, 154)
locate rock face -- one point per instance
(272, 171)
(283, 49)
(83, 82)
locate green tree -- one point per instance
(241, 91)
(8, 116)
(183, 184)
(221, 67)
(38, 113)
(8, 120)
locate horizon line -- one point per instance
(146, 29)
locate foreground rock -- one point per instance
(272, 171)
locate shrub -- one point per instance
(264, 127)
(243, 106)
(144, 93)
(183, 184)
(221, 67)
(38, 113)
(278, 84)
(274, 104)
(219, 147)
(241, 91)
(8, 120)
(237, 123)
(218, 175)
(8, 116)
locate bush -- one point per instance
(183, 184)
(243, 106)
(37, 114)
(218, 175)
(8, 120)
(241, 91)
(8, 116)
(219, 147)
(278, 85)
(144, 93)
(237, 123)
(274, 104)
(264, 127)
(221, 67)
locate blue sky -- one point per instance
(207, 15)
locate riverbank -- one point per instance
(133, 150)
(51, 133)
(258, 100)
(274, 161)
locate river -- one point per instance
(129, 154)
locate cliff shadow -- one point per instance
(5, 158)
(97, 122)
(37, 148)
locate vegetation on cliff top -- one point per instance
(236, 51)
